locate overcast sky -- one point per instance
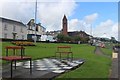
(102, 16)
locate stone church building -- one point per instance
(74, 33)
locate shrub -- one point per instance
(23, 43)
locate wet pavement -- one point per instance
(47, 68)
(115, 69)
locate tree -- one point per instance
(66, 38)
(63, 38)
(60, 37)
(77, 38)
(113, 39)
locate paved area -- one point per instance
(119, 65)
(100, 52)
(43, 68)
(114, 68)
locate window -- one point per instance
(22, 37)
(14, 28)
(21, 30)
(5, 27)
(5, 35)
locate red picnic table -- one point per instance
(15, 58)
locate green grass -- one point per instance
(95, 66)
(107, 51)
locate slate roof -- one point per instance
(12, 21)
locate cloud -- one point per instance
(84, 25)
(73, 24)
(49, 13)
(20, 11)
(91, 18)
(115, 31)
(107, 28)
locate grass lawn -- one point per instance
(95, 66)
(107, 51)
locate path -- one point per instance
(100, 52)
(114, 72)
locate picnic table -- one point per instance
(14, 57)
(61, 50)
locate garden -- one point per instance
(95, 66)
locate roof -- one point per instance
(32, 23)
(64, 17)
(77, 33)
(12, 21)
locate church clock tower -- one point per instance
(64, 25)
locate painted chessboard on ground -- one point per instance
(43, 67)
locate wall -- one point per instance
(9, 31)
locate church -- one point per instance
(64, 30)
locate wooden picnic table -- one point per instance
(64, 50)
(15, 58)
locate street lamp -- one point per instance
(35, 38)
(91, 29)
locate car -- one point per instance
(116, 48)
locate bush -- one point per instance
(23, 43)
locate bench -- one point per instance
(61, 50)
(14, 57)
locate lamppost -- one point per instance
(91, 28)
(91, 34)
(35, 38)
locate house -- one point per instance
(12, 29)
(40, 30)
(53, 33)
(50, 36)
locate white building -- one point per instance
(40, 30)
(12, 29)
(47, 38)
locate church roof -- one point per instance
(64, 17)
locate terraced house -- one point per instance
(12, 29)
(40, 30)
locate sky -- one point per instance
(97, 18)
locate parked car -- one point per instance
(116, 48)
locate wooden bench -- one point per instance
(15, 58)
(61, 50)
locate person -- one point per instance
(78, 42)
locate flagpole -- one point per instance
(35, 20)
(91, 30)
